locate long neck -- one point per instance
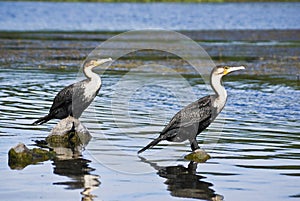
(94, 79)
(93, 85)
(90, 74)
(221, 94)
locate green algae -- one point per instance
(20, 156)
(64, 140)
(199, 156)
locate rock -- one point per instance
(70, 123)
(66, 140)
(199, 156)
(68, 130)
(20, 156)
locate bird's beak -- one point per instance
(102, 61)
(234, 68)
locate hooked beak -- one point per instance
(234, 68)
(102, 61)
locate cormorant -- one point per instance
(75, 98)
(197, 116)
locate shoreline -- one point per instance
(265, 52)
(197, 35)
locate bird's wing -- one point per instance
(65, 96)
(192, 114)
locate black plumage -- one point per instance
(197, 116)
(75, 98)
(187, 123)
(69, 102)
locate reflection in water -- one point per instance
(184, 181)
(70, 163)
(258, 149)
(79, 171)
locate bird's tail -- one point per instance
(151, 144)
(42, 120)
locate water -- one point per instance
(254, 144)
(33, 16)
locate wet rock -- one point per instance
(20, 156)
(68, 138)
(68, 130)
(199, 156)
(66, 141)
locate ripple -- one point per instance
(256, 134)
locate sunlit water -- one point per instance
(254, 143)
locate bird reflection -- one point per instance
(69, 162)
(185, 183)
(79, 171)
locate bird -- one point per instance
(75, 98)
(197, 116)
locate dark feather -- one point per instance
(188, 122)
(70, 101)
(151, 144)
(42, 120)
(193, 113)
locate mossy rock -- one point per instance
(68, 134)
(20, 156)
(198, 156)
(68, 131)
(63, 140)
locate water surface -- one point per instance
(35, 16)
(254, 144)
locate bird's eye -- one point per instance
(226, 67)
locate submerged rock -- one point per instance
(199, 156)
(20, 156)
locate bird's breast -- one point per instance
(219, 103)
(91, 88)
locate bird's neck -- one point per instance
(221, 94)
(93, 85)
(91, 75)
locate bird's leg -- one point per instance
(198, 155)
(194, 145)
(72, 132)
(73, 129)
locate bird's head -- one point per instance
(95, 62)
(224, 70)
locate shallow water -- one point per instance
(254, 143)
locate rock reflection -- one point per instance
(69, 162)
(184, 182)
(79, 171)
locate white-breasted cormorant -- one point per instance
(197, 116)
(75, 98)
